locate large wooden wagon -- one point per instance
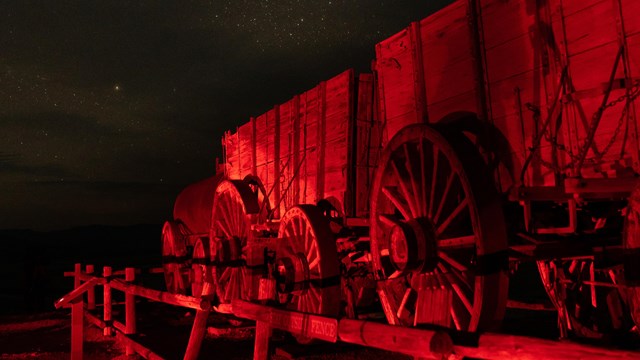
(490, 133)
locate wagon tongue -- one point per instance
(413, 246)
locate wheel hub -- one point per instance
(413, 246)
(292, 273)
(228, 249)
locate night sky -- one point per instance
(109, 108)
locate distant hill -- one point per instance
(32, 263)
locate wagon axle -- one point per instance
(413, 246)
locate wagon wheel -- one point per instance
(200, 270)
(174, 258)
(585, 291)
(585, 295)
(438, 237)
(307, 267)
(233, 211)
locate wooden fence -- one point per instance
(419, 343)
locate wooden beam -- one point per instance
(314, 326)
(199, 327)
(75, 293)
(161, 296)
(106, 295)
(499, 346)
(91, 292)
(130, 309)
(410, 341)
(77, 329)
(120, 336)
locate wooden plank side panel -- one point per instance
(232, 161)
(463, 102)
(307, 176)
(262, 140)
(336, 172)
(273, 133)
(631, 16)
(288, 112)
(447, 57)
(633, 44)
(246, 148)
(506, 20)
(590, 27)
(337, 94)
(308, 115)
(367, 143)
(395, 65)
(512, 58)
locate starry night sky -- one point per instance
(109, 108)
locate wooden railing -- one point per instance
(419, 343)
(85, 283)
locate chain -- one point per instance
(629, 96)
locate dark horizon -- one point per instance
(110, 109)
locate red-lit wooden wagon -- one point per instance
(491, 133)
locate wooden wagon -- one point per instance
(490, 133)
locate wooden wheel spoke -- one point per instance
(221, 226)
(394, 275)
(394, 196)
(226, 273)
(443, 199)
(226, 216)
(388, 220)
(457, 242)
(406, 310)
(417, 194)
(308, 238)
(454, 317)
(423, 178)
(312, 251)
(462, 296)
(452, 275)
(443, 226)
(314, 263)
(442, 255)
(434, 179)
(405, 191)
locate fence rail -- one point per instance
(419, 343)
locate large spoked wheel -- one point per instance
(234, 204)
(438, 237)
(586, 296)
(307, 267)
(175, 262)
(598, 298)
(200, 270)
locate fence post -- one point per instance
(91, 293)
(77, 270)
(200, 323)
(108, 329)
(77, 317)
(261, 345)
(77, 328)
(130, 309)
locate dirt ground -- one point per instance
(163, 329)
